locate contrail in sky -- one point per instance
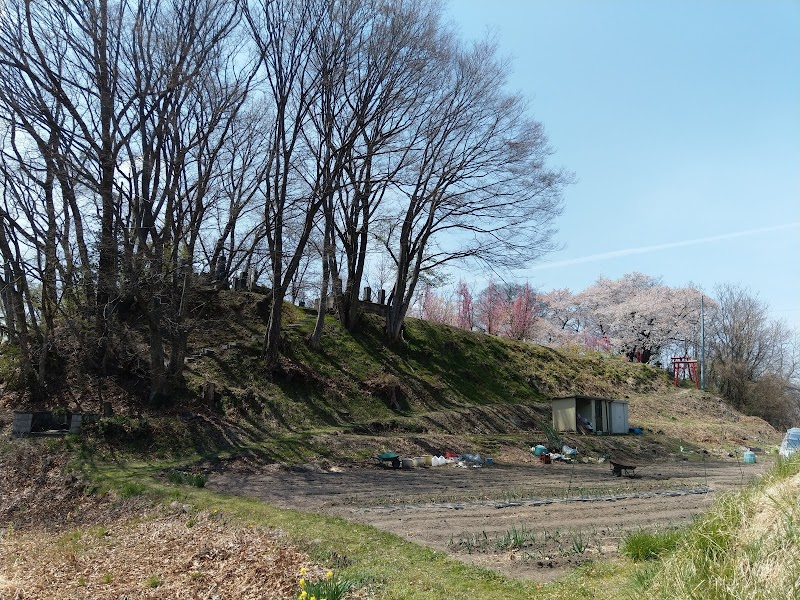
(657, 247)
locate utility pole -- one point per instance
(702, 344)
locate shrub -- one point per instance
(121, 429)
(11, 367)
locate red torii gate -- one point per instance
(685, 365)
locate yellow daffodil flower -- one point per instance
(329, 575)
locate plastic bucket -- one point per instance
(409, 463)
(427, 460)
(749, 457)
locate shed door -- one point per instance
(619, 417)
(601, 424)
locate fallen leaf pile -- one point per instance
(181, 556)
(59, 542)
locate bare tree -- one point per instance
(286, 34)
(21, 318)
(380, 53)
(235, 226)
(751, 353)
(189, 92)
(478, 187)
(67, 55)
(127, 107)
(38, 195)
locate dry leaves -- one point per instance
(57, 542)
(181, 556)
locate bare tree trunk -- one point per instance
(158, 384)
(106, 265)
(13, 298)
(272, 336)
(398, 305)
(68, 193)
(315, 339)
(10, 326)
(49, 282)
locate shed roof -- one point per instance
(580, 397)
(584, 397)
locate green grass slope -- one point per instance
(438, 367)
(441, 387)
(746, 547)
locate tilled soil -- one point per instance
(526, 520)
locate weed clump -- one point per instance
(197, 480)
(644, 545)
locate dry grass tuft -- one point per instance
(748, 546)
(776, 504)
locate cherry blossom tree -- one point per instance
(434, 307)
(561, 319)
(522, 313)
(491, 309)
(639, 315)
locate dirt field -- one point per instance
(526, 520)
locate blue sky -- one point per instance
(681, 121)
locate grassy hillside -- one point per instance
(442, 388)
(438, 367)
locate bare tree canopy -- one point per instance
(144, 141)
(754, 358)
(477, 186)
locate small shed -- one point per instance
(602, 415)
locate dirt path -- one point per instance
(528, 520)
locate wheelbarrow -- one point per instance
(618, 469)
(389, 459)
